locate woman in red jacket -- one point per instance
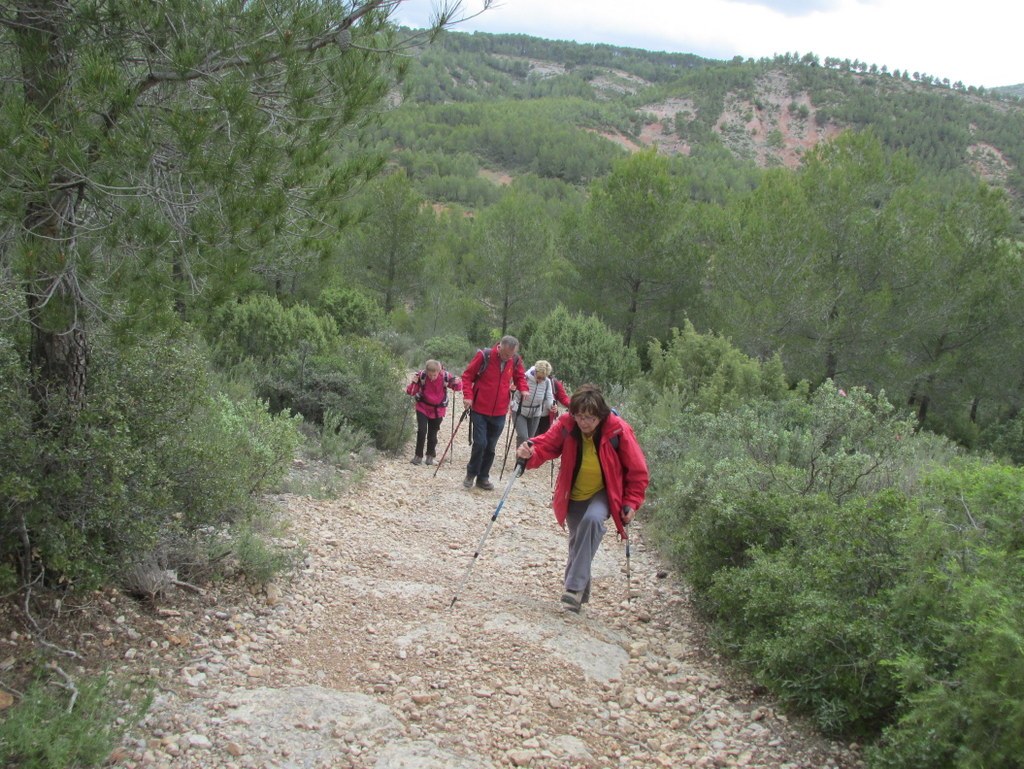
(603, 473)
(430, 389)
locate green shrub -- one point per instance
(149, 456)
(353, 311)
(362, 383)
(339, 441)
(258, 558)
(43, 732)
(260, 327)
(453, 351)
(582, 349)
(710, 373)
(788, 516)
(960, 613)
(810, 613)
(1005, 439)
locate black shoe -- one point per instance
(418, 460)
(572, 599)
(468, 483)
(484, 483)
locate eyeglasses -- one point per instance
(586, 418)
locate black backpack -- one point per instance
(422, 377)
(487, 359)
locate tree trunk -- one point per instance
(634, 303)
(59, 355)
(58, 349)
(922, 410)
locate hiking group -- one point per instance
(602, 473)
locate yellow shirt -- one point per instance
(589, 480)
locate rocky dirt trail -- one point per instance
(357, 661)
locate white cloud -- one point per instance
(974, 42)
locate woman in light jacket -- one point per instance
(529, 407)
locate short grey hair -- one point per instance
(509, 341)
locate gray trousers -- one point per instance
(526, 427)
(586, 522)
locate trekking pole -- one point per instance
(401, 431)
(453, 432)
(508, 441)
(629, 585)
(520, 468)
(451, 441)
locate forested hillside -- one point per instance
(767, 112)
(226, 233)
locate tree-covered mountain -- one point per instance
(563, 110)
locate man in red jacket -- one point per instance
(603, 474)
(486, 391)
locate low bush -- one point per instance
(150, 455)
(361, 383)
(354, 312)
(57, 727)
(453, 351)
(262, 329)
(256, 555)
(582, 349)
(866, 572)
(959, 610)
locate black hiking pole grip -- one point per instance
(451, 441)
(520, 469)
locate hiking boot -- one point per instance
(417, 460)
(430, 460)
(468, 483)
(573, 599)
(484, 483)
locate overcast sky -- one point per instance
(976, 42)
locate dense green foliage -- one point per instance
(866, 573)
(583, 350)
(150, 152)
(43, 732)
(151, 456)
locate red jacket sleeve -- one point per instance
(519, 376)
(414, 385)
(560, 395)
